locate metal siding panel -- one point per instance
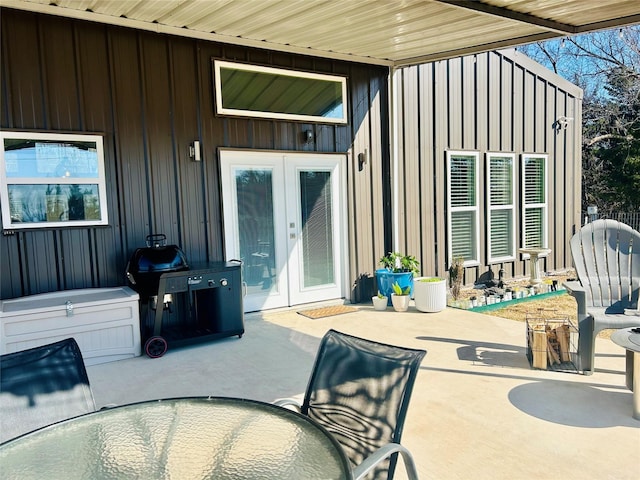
(529, 112)
(10, 266)
(129, 138)
(359, 206)
(482, 100)
(469, 113)
(108, 258)
(495, 100)
(40, 254)
(454, 97)
(430, 226)
(541, 116)
(440, 117)
(413, 169)
(190, 208)
(21, 71)
(158, 124)
(58, 53)
(378, 156)
(506, 107)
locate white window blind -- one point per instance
(534, 201)
(463, 226)
(501, 206)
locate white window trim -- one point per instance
(491, 208)
(476, 208)
(5, 181)
(217, 64)
(544, 205)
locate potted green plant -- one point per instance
(380, 302)
(430, 294)
(400, 297)
(396, 268)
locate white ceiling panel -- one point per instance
(384, 32)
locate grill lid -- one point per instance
(156, 257)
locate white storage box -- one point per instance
(104, 321)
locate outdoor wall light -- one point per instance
(194, 151)
(308, 136)
(363, 157)
(562, 122)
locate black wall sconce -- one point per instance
(363, 157)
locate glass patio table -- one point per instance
(188, 438)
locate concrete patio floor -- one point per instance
(478, 410)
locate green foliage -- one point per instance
(397, 263)
(606, 65)
(398, 290)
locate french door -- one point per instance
(283, 217)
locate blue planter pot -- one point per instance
(386, 279)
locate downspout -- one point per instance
(395, 167)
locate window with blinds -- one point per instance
(534, 201)
(463, 218)
(501, 206)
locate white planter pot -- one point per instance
(430, 296)
(400, 302)
(379, 303)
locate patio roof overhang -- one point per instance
(380, 32)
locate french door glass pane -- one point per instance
(317, 234)
(254, 190)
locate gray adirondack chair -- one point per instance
(606, 256)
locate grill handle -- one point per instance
(156, 240)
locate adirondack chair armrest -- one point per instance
(575, 289)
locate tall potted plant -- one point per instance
(396, 268)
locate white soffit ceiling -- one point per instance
(382, 32)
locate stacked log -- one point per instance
(549, 342)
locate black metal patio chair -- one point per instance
(359, 391)
(41, 386)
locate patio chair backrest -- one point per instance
(359, 391)
(41, 386)
(606, 255)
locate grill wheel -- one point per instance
(155, 347)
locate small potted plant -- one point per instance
(380, 302)
(396, 268)
(430, 294)
(400, 297)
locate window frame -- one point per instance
(490, 208)
(537, 205)
(475, 208)
(98, 180)
(221, 110)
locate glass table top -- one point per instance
(195, 438)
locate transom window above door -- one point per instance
(267, 92)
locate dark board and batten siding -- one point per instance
(490, 102)
(151, 96)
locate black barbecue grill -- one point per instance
(182, 303)
(148, 263)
